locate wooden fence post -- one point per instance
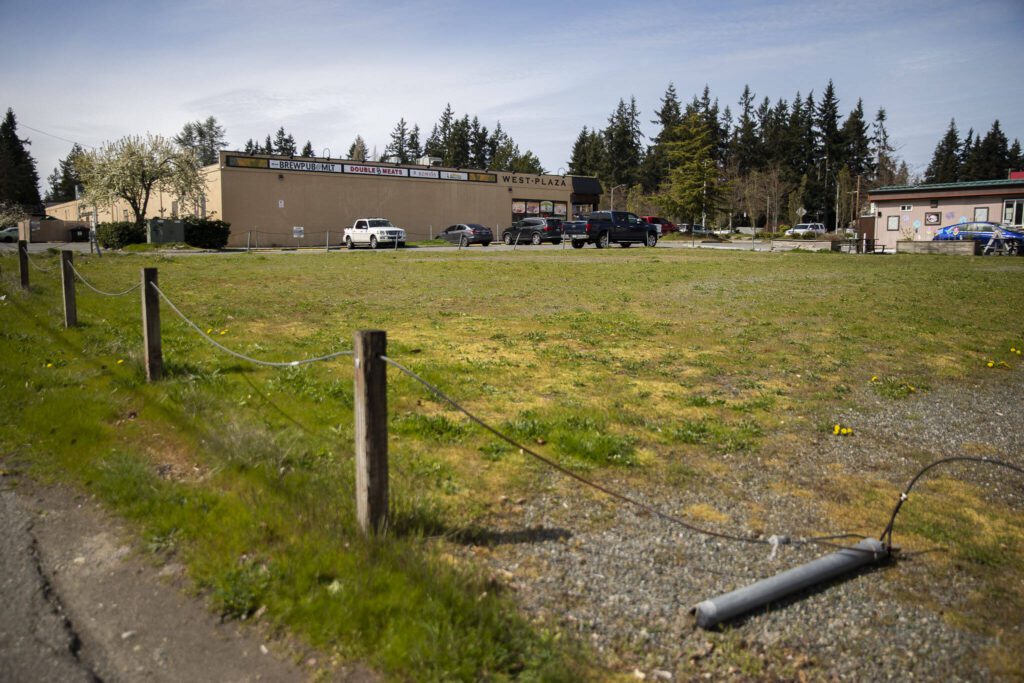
(152, 348)
(23, 262)
(371, 415)
(67, 281)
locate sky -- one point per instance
(328, 70)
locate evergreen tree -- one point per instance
(284, 144)
(307, 149)
(18, 178)
(251, 147)
(527, 163)
(945, 164)
(993, 161)
(437, 143)
(622, 142)
(399, 145)
(970, 157)
(204, 138)
(268, 146)
(668, 118)
(745, 148)
(857, 143)
(358, 151)
(693, 189)
(882, 149)
(1016, 158)
(64, 178)
(457, 153)
(415, 149)
(827, 123)
(478, 147)
(587, 153)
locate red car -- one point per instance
(666, 226)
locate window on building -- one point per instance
(892, 223)
(1013, 212)
(981, 213)
(934, 203)
(906, 207)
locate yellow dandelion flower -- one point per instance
(835, 430)
(845, 431)
(223, 332)
(209, 330)
(49, 365)
(120, 361)
(990, 364)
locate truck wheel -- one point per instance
(373, 241)
(507, 239)
(602, 240)
(348, 243)
(652, 239)
(577, 244)
(535, 240)
(625, 245)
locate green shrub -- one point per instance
(120, 234)
(205, 233)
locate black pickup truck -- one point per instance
(607, 227)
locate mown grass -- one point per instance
(653, 362)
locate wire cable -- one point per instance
(783, 540)
(28, 257)
(100, 291)
(887, 533)
(289, 364)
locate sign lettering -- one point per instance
(296, 165)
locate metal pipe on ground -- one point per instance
(712, 612)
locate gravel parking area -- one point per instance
(625, 582)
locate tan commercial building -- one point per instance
(917, 212)
(286, 201)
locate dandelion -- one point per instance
(209, 330)
(120, 361)
(49, 365)
(835, 430)
(223, 332)
(990, 364)
(874, 378)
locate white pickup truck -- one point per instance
(374, 233)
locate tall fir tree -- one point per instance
(64, 178)
(667, 118)
(993, 161)
(945, 163)
(18, 177)
(885, 171)
(358, 150)
(970, 157)
(1016, 157)
(693, 189)
(206, 138)
(307, 149)
(623, 144)
(857, 143)
(457, 153)
(478, 137)
(268, 146)
(284, 143)
(745, 150)
(415, 148)
(399, 145)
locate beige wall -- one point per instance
(271, 202)
(160, 205)
(913, 223)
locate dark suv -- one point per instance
(534, 231)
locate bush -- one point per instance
(120, 234)
(206, 234)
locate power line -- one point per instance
(73, 142)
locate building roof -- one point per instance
(946, 187)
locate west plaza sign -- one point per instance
(303, 165)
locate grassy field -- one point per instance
(647, 363)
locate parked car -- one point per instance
(9, 234)
(603, 228)
(801, 229)
(467, 234)
(982, 231)
(698, 229)
(534, 231)
(665, 226)
(373, 232)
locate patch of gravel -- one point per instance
(625, 582)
